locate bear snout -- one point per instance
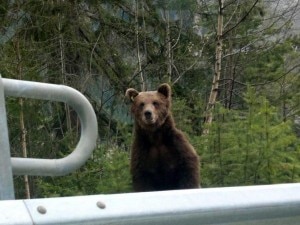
(148, 115)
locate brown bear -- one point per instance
(161, 157)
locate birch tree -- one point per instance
(218, 65)
(247, 28)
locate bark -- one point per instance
(169, 47)
(143, 88)
(63, 71)
(24, 147)
(22, 124)
(218, 67)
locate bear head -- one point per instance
(150, 108)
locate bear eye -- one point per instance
(155, 103)
(142, 104)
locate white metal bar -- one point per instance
(259, 205)
(14, 212)
(6, 179)
(88, 122)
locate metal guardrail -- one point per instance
(45, 167)
(252, 205)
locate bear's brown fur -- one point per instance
(161, 157)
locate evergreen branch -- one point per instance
(277, 79)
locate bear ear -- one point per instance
(131, 94)
(165, 90)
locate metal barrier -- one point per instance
(6, 178)
(45, 167)
(253, 205)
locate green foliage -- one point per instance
(188, 115)
(249, 147)
(115, 176)
(106, 172)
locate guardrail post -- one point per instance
(88, 122)
(6, 178)
(44, 167)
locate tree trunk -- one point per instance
(22, 124)
(169, 48)
(63, 70)
(229, 77)
(218, 67)
(24, 147)
(143, 88)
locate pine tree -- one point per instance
(250, 147)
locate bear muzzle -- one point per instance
(149, 117)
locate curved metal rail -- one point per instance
(88, 121)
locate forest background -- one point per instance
(233, 66)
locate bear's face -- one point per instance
(150, 108)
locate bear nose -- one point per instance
(148, 114)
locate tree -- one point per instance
(218, 64)
(250, 147)
(245, 38)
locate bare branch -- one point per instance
(241, 20)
